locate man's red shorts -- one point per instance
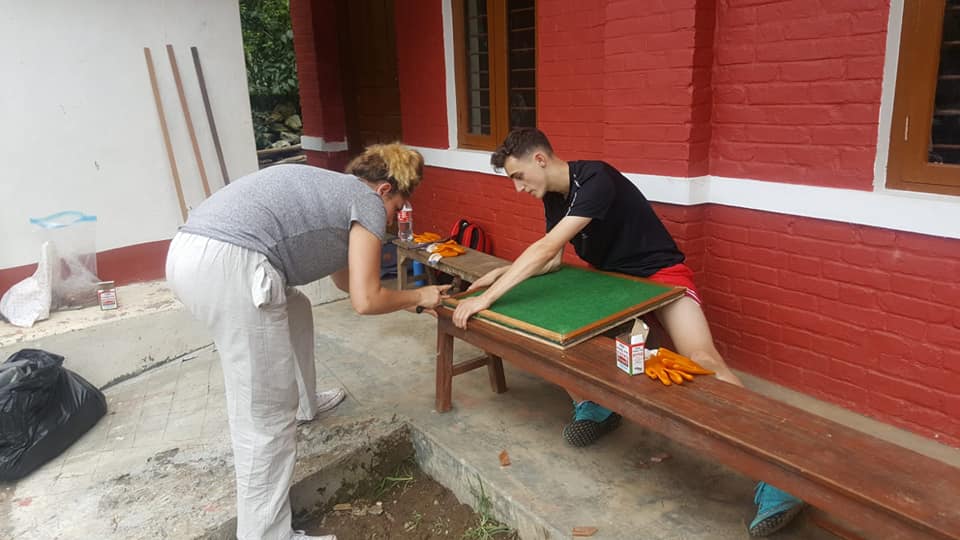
(678, 274)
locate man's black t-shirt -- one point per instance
(624, 234)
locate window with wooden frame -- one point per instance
(495, 59)
(925, 134)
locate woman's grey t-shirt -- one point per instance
(298, 216)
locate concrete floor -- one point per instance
(159, 465)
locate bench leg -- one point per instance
(498, 382)
(402, 263)
(444, 371)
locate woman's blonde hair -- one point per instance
(402, 167)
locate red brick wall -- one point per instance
(318, 71)
(628, 82)
(420, 60)
(570, 75)
(656, 77)
(513, 220)
(784, 91)
(318, 68)
(868, 318)
(796, 89)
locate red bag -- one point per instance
(470, 235)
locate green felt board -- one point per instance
(571, 298)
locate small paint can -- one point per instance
(107, 294)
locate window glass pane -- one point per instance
(525, 78)
(945, 130)
(477, 66)
(521, 81)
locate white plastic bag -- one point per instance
(29, 301)
(73, 236)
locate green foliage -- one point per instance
(268, 47)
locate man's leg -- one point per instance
(300, 316)
(687, 326)
(590, 422)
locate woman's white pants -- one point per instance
(263, 331)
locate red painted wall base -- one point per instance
(129, 264)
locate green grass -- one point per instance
(401, 477)
(487, 528)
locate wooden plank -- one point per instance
(209, 111)
(827, 464)
(546, 336)
(403, 264)
(186, 117)
(272, 153)
(166, 133)
(563, 341)
(470, 365)
(498, 381)
(577, 335)
(444, 372)
(470, 266)
(886, 490)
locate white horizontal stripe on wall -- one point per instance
(936, 215)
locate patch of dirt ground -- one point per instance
(409, 505)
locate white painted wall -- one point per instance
(80, 130)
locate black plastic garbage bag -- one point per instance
(44, 408)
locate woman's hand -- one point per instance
(432, 295)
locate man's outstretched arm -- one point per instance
(534, 260)
(490, 277)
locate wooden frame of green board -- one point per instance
(610, 300)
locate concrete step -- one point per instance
(150, 328)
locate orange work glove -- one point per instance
(450, 248)
(669, 367)
(426, 238)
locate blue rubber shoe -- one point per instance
(775, 509)
(590, 422)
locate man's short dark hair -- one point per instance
(520, 143)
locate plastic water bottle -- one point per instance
(405, 223)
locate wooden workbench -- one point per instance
(467, 267)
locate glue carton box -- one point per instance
(631, 348)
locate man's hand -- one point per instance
(467, 308)
(487, 279)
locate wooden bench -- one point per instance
(467, 267)
(876, 488)
(881, 490)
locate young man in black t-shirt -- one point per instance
(613, 227)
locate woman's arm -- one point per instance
(341, 278)
(363, 270)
